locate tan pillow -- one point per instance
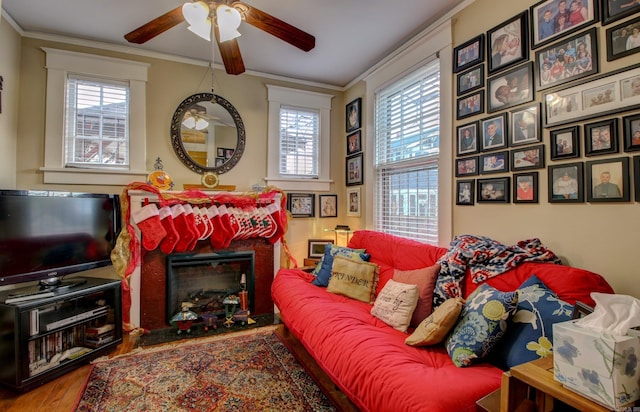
(354, 279)
(395, 304)
(435, 328)
(425, 278)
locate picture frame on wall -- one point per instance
(510, 88)
(548, 24)
(631, 130)
(354, 142)
(354, 202)
(530, 157)
(507, 43)
(565, 143)
(525, 187)
(623, 40)
(566, 183)
(470, 105)
(316, 247)
(467, 166)
(468, 53)
(353, 170)
(494, 162)
(470, 80)
(467, 139)
(567, 60)
(608, 180)
(636, 177)
(614, 10)
(494, 132)
(465, 191)
(353, 115)
(301, 204)
(328, 205)
(601, 137)
(525, 126)
(496, 190)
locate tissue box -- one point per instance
(599, 366)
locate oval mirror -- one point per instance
(207, 133)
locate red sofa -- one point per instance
(369, 360)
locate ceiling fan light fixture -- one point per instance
(228, 19)
(197, 15)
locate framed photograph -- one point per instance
(301, 204)
(228, 153)
(470, 105)
(353, 115)
(551, 19)
(565, 143)
(220, 152)
(316, 247)
(566, 183)
(510, 88)
(567, 60)
(494, 190)
(328, 205)
(608, 180)
(353, 170)
(601, 137)
(354, 142)
(614, 92)
(467, 166)
(468, 54)
(353, 202)
(531, 157)
(613, 10)
(220, 161)
(467, 139)
(525, 187)
(636, 177)
(470, 80)
(507, 43)
(494, 130)
(465, 192)
(631, 127)
(495, 162)
(623, 39)
(525, 126)
(580, 310)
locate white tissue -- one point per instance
(613, 314)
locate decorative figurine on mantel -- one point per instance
(184, 319)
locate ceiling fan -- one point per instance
(224, 18)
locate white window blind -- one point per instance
(97, 123)
(299, 142)
(407, 133)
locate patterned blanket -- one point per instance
(485, 258)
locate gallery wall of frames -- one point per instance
(532, 89)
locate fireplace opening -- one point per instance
(204, 280)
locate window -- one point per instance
(299, 141)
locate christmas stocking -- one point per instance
(225, 218)
(184, 229)
(280, 218)
(169, 242)
(148, 221)
(219, 234)
(191, 221)
(201, 224)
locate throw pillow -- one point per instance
(395, 304)
(425, 279)
(530, 334)
(331, 250)
(354, 279)
(482, 323)
(436, 326)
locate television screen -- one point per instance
(45, 234)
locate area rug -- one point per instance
(251, 371)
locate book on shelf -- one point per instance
(98, 330)
(99, 341)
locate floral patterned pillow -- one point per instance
(482, 323)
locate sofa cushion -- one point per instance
(354, 279)
(331, 250)
(425, 279)
(395, 304)
(482, 323)
(437, 326)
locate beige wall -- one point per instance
(10, 71)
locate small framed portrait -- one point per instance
(470, 80)
(467, 139)
(467, 166)
(328, 205)
(510, 88)
(531, 157)
(566, 183)
(601, 137)
(565, 143)
(507, 43)
(631, 127)
(353, 115)
(228, 153)
(623, 39)
(636, 177)
(220, 161)
(494, 162)
(551, 19)
(354, 142)
(316, 247)
(468, 53)
(608, 180)
(220, 152)
(470, 105)
(301, 204)
(353, 170)
(525, 126)
(613, 10)
(525, 187)
(465, 190)
(353, 201)
(494, 131)
(494, 190)
(567, 60)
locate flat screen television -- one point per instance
(45, 235)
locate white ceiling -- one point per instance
(351, 35)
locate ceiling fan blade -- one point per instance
(276, 27)
(231, 57)
(156, 26)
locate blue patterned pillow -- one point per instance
(330, 250)
(530, 336)
(482, 323)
